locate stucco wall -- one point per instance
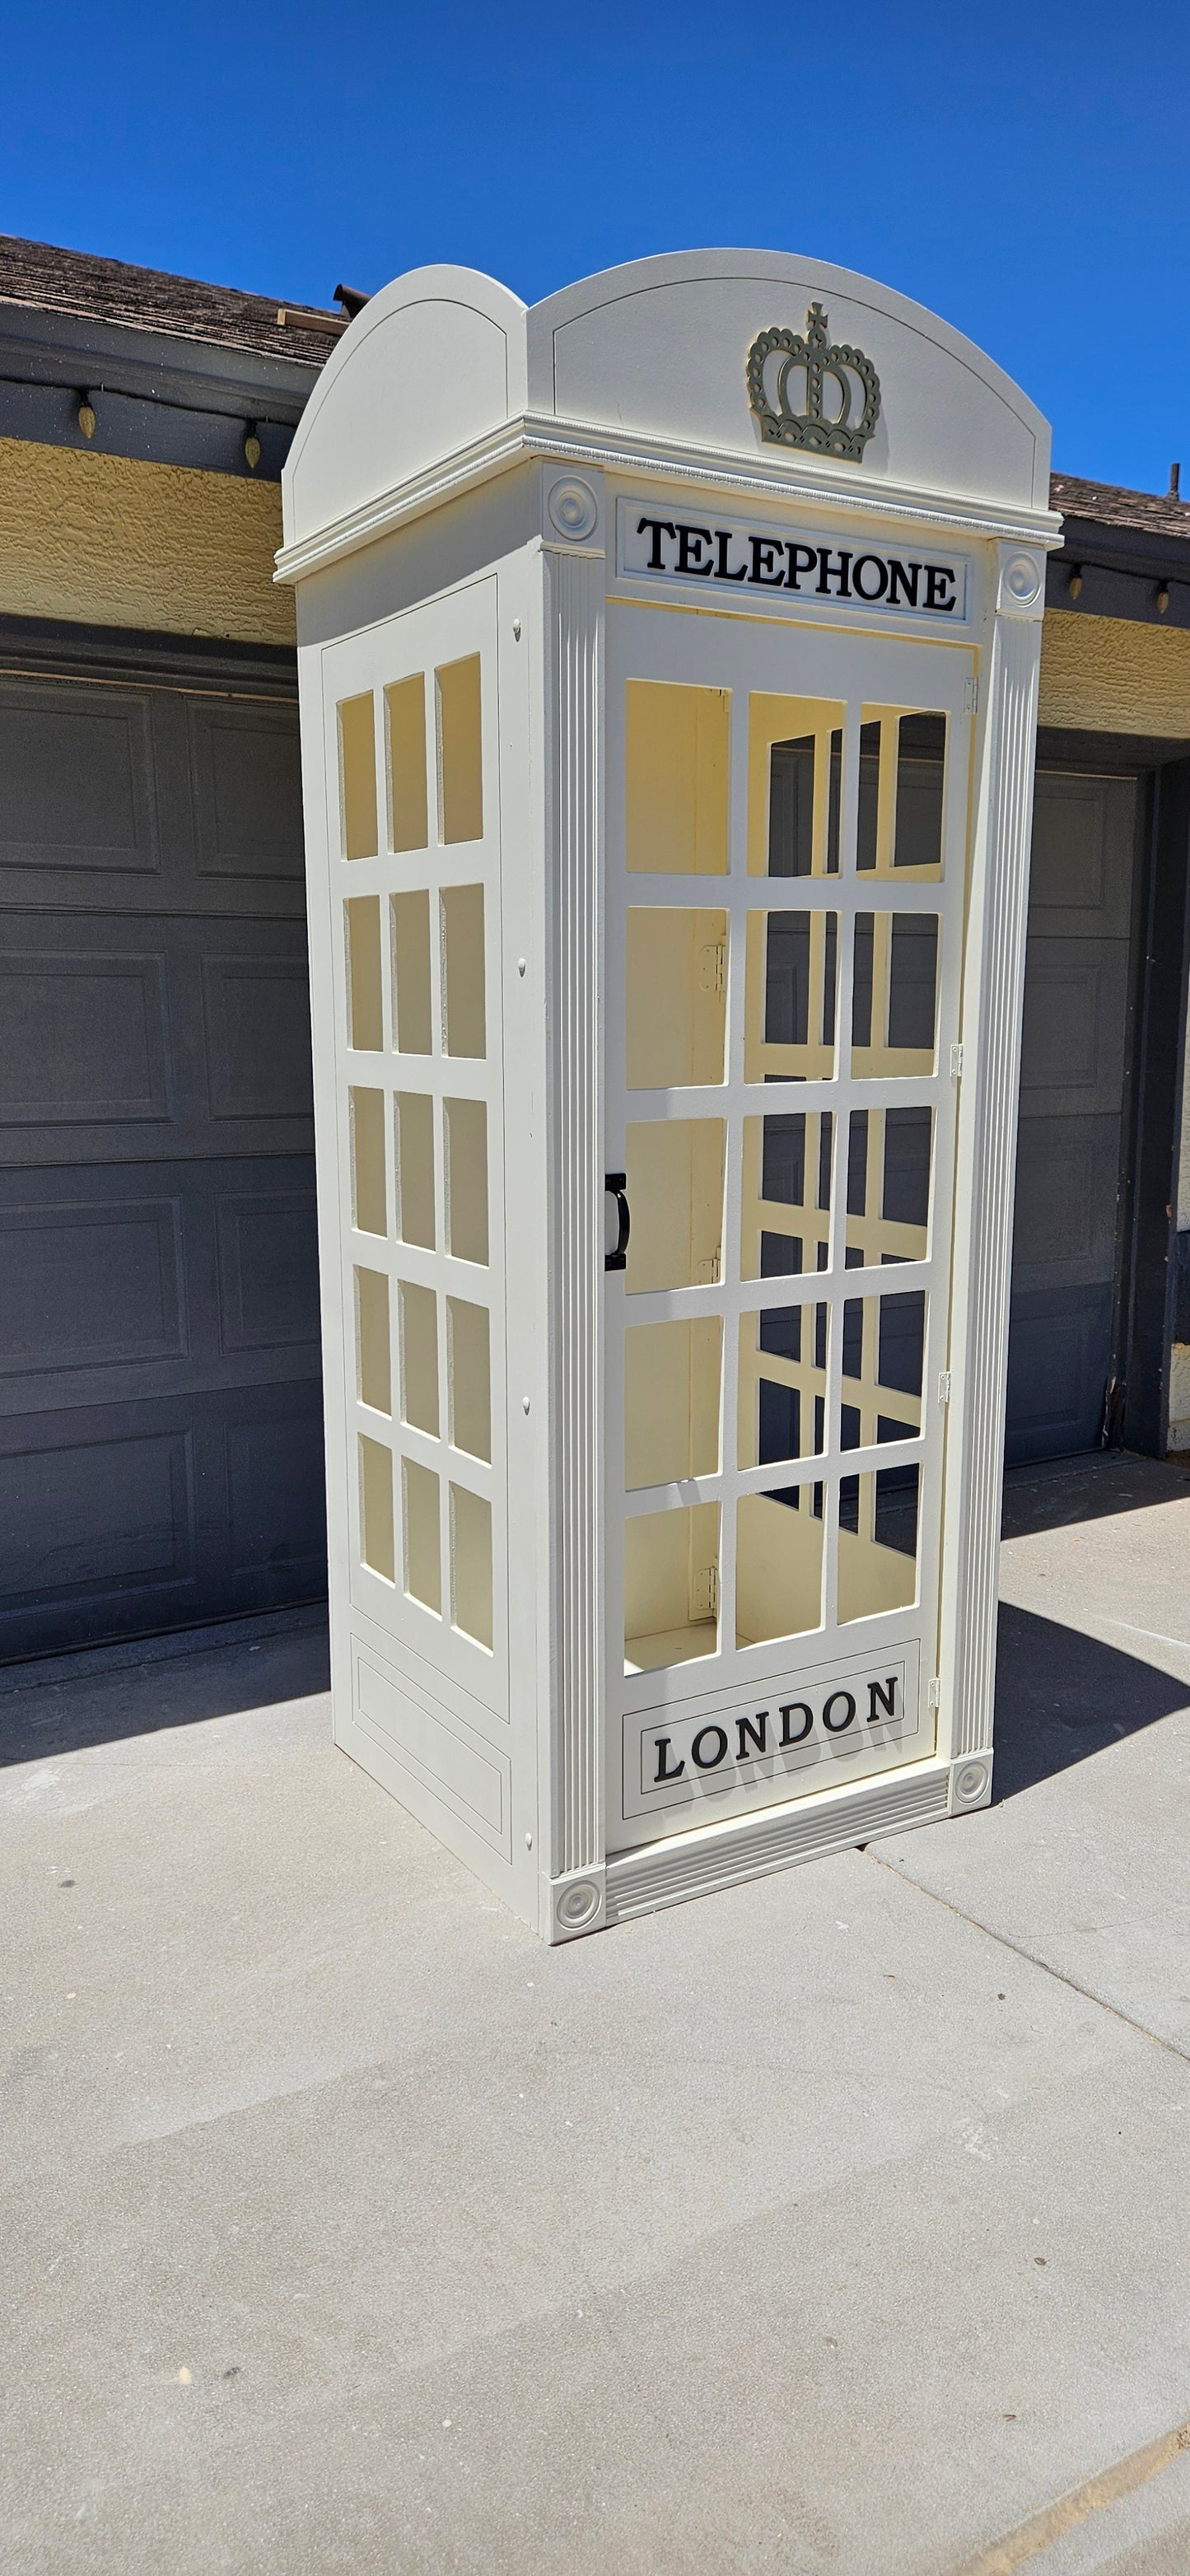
(109, 541)
(1113, 675)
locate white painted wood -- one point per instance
(470, 480)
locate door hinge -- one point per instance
(971, 697)
(708, 1271)
(944, 1386)
(956, 1059)
(711, 966)
(934, 1693)
(705, 1600)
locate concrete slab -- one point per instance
(814, 2227)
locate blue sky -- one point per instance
(1023, 170)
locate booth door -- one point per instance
(786, 865)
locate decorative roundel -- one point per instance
(573, 507)
(970, 1784)
(578, 1904)
(1022, 579)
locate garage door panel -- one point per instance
(1080, 882)
(1065, 1226)
(149, 800)
(247, 794)
(85, 1286)
(1057, 1360)
(118, 1520)
(83, 1038)
(160, 1401)
(268, 1269)
(1066, 1241)
(256, 1015)
(276, 1496)
(79, 791)
(1072, 1046)
(96, 1509)
(120, 1281)
(183, 1036)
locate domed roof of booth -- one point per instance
(644, 367)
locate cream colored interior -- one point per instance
(463, 1020)
(372, 1348)
(677, 779)
(369, 1198)
(811, 846)
(423, 1554)
(469, 1367)
(418, 952)
(405, 734)
(415, 1168)
(894, 994)
(793, 1164)
(889, 1175)
(376, 1507)
(365, 998)
(419, 1357)
(460, 762)
(471, 1563)
(357, 778)
(672, 1376)
(671, 1586)
(785, 1193)
(791, 996)
(675, 1192)
(467, 1179)
(677, 1002)
(410, 918)
(778, 1584)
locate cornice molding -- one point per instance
(533, 436)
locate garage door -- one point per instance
(160, 1419)
(1066, 1247)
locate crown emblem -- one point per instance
(850, 372)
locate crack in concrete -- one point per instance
(1032, 1960)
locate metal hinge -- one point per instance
(705, 1602)
(934, 1693)
(970, 697)
(956, 1059)
(708, 1271)
(944, 1386)
(711, 966)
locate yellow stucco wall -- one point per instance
(1111, 675)
(108, 541)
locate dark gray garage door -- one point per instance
(1066, 1245)
(160, 1439)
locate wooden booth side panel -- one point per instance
(408, 1037)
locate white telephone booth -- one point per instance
(668, 665)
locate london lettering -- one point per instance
(778, 1729)
(694, 550)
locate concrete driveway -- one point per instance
(837, 2225)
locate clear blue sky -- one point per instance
(1023, 169)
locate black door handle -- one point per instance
(616, 1184)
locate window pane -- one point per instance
(676, 779)
(675, 1194)
(672, 1378)
(676, 997)
(786, 1194)
(778, 1564)
(460, 760)
(357, 778)
(671, 1587)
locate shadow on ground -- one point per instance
(1061, 1696)
(177, 1682)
